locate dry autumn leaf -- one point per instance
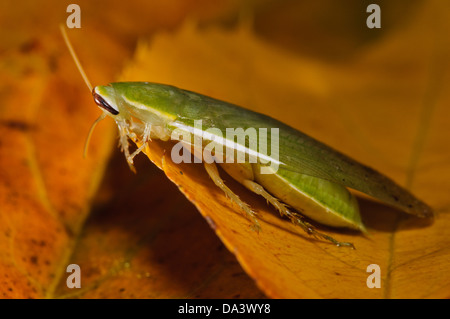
(47, 189)
(386, 108)
(40, 166)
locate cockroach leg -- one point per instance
(295, 218)
(212, 171)
(144, 141)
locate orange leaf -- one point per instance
(145, 240)
(47, 188)
(386, 108)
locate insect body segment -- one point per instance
(308, 175)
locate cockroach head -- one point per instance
(103, 98)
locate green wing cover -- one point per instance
(298, 152)
(303, 154)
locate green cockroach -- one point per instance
(308, 175)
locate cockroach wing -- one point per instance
(297, 152)
(303, 154)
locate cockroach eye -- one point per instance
(104, 105)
